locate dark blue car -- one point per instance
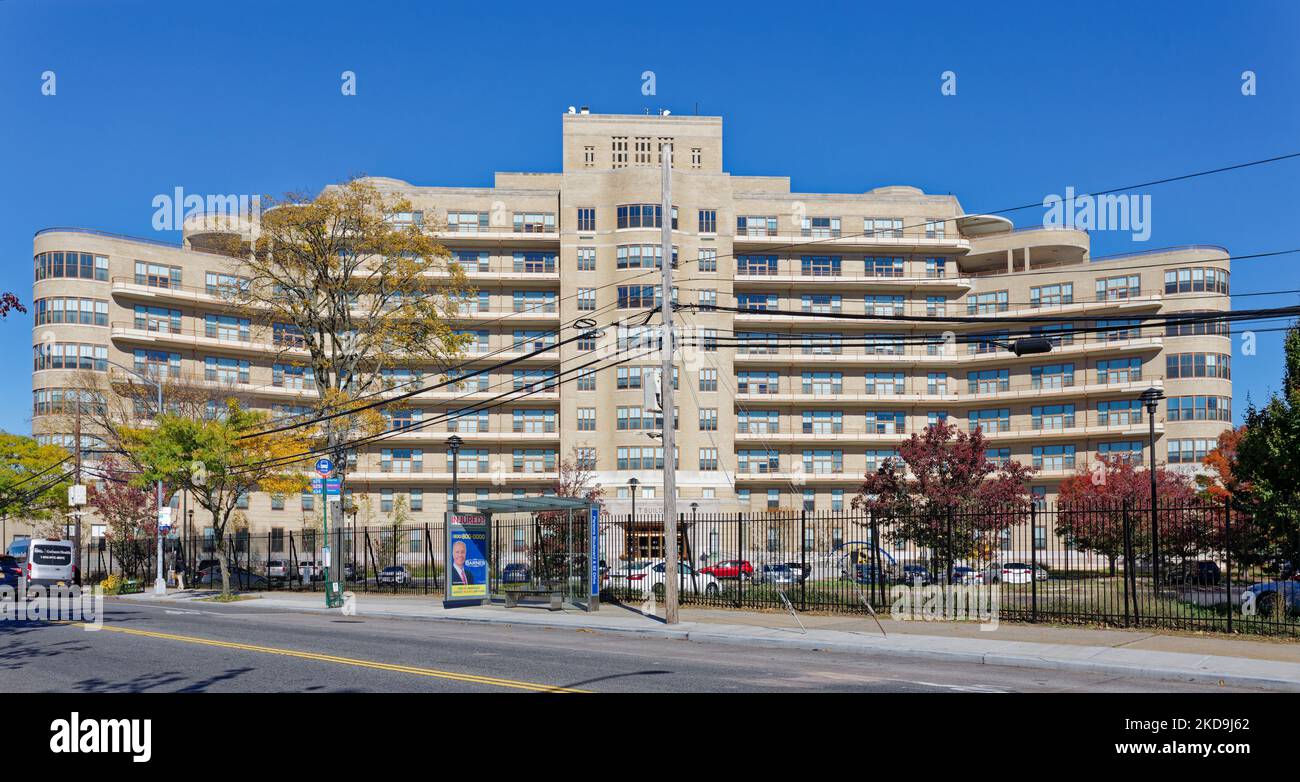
(10, 571)
(1263, 598)
(516, 573)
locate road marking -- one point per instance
(329, 658)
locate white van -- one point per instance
(44, 562)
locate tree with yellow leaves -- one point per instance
(214, 460)
(350, 290)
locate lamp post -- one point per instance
(453, 448)
(633, 483)
(1151, 401)
(159, 583)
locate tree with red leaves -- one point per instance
(1091, 507)
(944, 480)
(8, 301)
(130, 514)
(1221, 482)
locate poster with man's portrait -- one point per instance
(467, 566)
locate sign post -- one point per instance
(327, 488)
(593, 557)
(466, 559)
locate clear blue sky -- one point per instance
(243, 97)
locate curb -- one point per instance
(695, 633)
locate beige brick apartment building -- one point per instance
(772, 410)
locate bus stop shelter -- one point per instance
(544, 541)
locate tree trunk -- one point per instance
(225, 569)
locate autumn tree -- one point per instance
(217, 463)
(1092, 506)
(398, 518)
(348, 291)
(8, 302)
(1220, 482)
(558, 533)
(945, 494)
(129, 513)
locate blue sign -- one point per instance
(317, 485)
(594, 550)
(324, 467)
(333, 487)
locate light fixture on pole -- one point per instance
(453, 447)
(1151, 401)
(1026, 346)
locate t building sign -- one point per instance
(468, 535)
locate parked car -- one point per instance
(730, 568)
(279, 570)
(516, 573)
(967, 575)
(864, 573)
(1008, 573)
(778, 575)
(648, 575)
(310, 570)
(690, 580)
(801, 571)
(10, 571)
(1201, 572)
(239, 578)
(1040, 573)
(1264, 597)
(350, 572)
(395, 574)
(44, 561)
(910, 574)
(205, 564)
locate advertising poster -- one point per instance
(467, 554)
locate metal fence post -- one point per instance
(1128, 563)
(949, 546)
(1227, 554)
(803, 559)
(740, 559)
(1033, 560)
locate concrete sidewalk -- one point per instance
(1192, 658)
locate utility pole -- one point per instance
(76, 481)
(160, 581)
(666, 383)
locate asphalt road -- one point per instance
(147, 648)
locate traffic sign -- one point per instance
(165, 519)
(324, 467)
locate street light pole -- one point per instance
(633, 482)
(159, 582)
(453, 447)
(1151, 400)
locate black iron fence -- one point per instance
(1200, 566)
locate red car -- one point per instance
(730, 568)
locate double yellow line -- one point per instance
(329, 658)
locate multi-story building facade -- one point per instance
(773, 410)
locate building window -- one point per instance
(1206, 279)
(587, 380)
(586, 419)
(1184, 365)
(708, 459)
(586, 218)
(534, 222)
(708, 380)
(708, 419)
(708, 260)
(156, 275)
(586, 259)
(588, 156)
(1125, 287)
(586, 299)
(886, 227)
(934, 228)
(821, 227)
(985, 303)
(697, 157)
(708, 221)
(1052, 295)
(755, 225)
